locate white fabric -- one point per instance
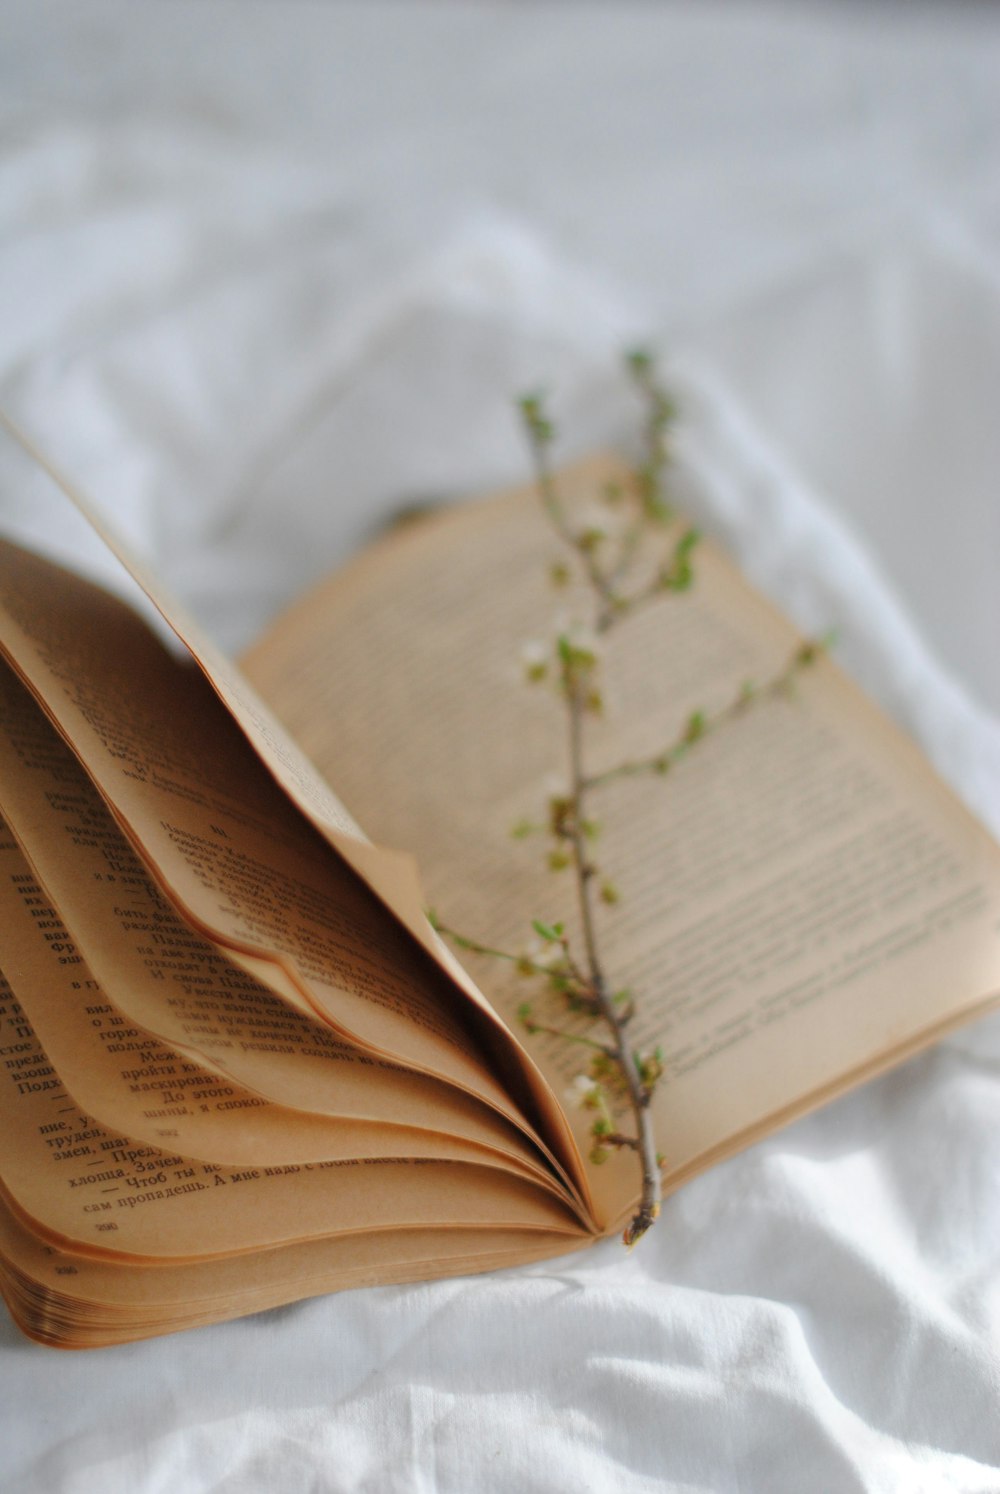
(270, 271)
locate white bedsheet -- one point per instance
(269, 271)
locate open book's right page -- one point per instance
(802, 901)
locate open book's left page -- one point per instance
(222, 1046)
(392, 876)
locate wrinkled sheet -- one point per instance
(270, 271)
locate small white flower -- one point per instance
(555, 786)
(580, 1091)
(545, 954)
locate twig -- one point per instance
(701, 724)
(571, 1037)
(540, 436)
(639, 1093)
(583, 983)
(463, 941)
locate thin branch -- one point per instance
(540, 436)
(700, 724)
(630, 542)
(612, 604)
(464, 942)
(571, 1037)
(586, 988)
(660, 414)
(639, 1093)
(619, 1138)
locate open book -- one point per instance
(239, 1066)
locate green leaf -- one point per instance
(550, 932)
(695, 726)
(532, 410)
(639, 360)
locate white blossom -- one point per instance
(580, 1092)
(534, 653)
(546, 954)
(556, 786)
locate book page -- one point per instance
(108, 1198)
(290, 768)
(801, 899)
(391, 876)
(134, 1084)
(218, 834)
(180, 990)
(74, 1301)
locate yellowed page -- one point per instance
(76, 1302)
(157, 1288)
(104, 1197)
(390, 875)
(297, 776)
(181, 990)
(218, 834)
(131, 1083)
(801, 899)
